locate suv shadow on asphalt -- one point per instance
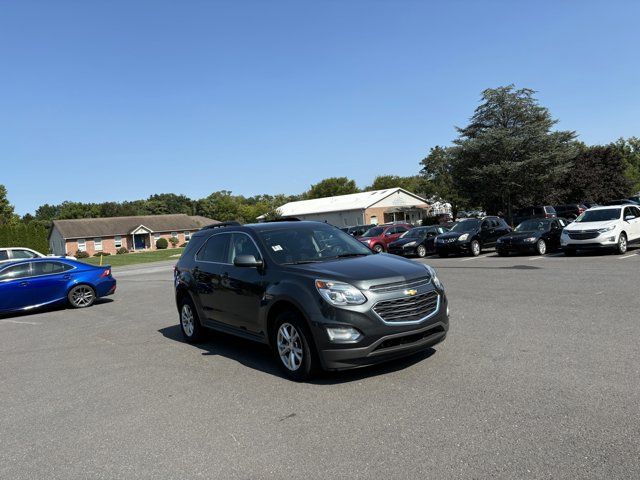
(259, 357)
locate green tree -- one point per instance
(414, 183)
(333, 186)
(508, 154)
(599, 174)
(167, 203)
(437, 174)
(630, 149)
(7, 214)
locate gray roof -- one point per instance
(106, 227)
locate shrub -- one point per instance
(184, 244)
(162, 243)
(80, 254)
(174, 241)
(103, 254)
(122, 250)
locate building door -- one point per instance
(138, 242)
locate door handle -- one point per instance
(66, 277)
(24, 284)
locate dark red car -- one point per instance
(379, 237)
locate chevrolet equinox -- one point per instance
(317, 296)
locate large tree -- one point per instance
(413, 183)
(630, 149)
(330, 187)
(508, 154)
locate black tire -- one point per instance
(475, 248)
(541, 247)
(302, 369)
(421, 251)
(81, 296)
(192, 330)
(378, 248)
(503, 253)
(569, 252)
(622, 246)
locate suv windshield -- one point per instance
(599, 215)
(373, 232)
(310, 243)
(466, 225)
(530, 225)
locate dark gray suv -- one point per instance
(317, 296)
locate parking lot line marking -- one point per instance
(19, 322)
(627, 256)
(474, 258)
(536, 258)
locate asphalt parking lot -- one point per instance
(539, 378)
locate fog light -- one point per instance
(343, 334)
(612, 239)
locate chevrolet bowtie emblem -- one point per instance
(411, 292)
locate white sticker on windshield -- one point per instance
(276, 248)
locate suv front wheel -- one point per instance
(622, 244)
(475, 248)
(293, 347)
(192, 331)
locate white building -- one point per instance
(377, 206)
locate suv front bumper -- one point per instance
(604, 240)
(386, 342)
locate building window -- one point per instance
(374, 219)
(97, 242)
(187, 236)
(118, 241)
(82, 245)
(174, 234)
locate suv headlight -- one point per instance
(434, 276)
(530, 240)
(606, 229)
(339, 293)
(410, 244)
(463, 237)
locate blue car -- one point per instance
(39, 282)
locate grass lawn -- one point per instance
(133, 258)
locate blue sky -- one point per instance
(118, 100)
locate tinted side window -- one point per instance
(17, 271)
(241, 244)
(215, 250)
(636, 211)
(18, 253)
(4, 255)
(48, 268)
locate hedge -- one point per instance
(29, 235)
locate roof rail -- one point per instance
(220, 225)
(283, 219)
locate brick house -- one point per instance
(107, 235)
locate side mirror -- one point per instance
(629, 217)
(247, 261)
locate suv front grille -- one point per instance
(392, 287)
(407, 309)
(583, 235)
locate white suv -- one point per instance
(612, 227)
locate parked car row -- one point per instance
(611, 227)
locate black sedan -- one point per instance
(538, 235)
(417, 241)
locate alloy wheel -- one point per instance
(542, 247)
(187, 320)
(289, 345)
(421, 251)
(378, 248)
(475, 248)
(622, 243)
(82, 296)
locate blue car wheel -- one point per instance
(81, 296)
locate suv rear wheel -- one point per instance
(293, 347)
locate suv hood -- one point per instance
(363, 272)
(454, 234)
(578, 227)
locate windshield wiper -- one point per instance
(301, 262)
(345, 255)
